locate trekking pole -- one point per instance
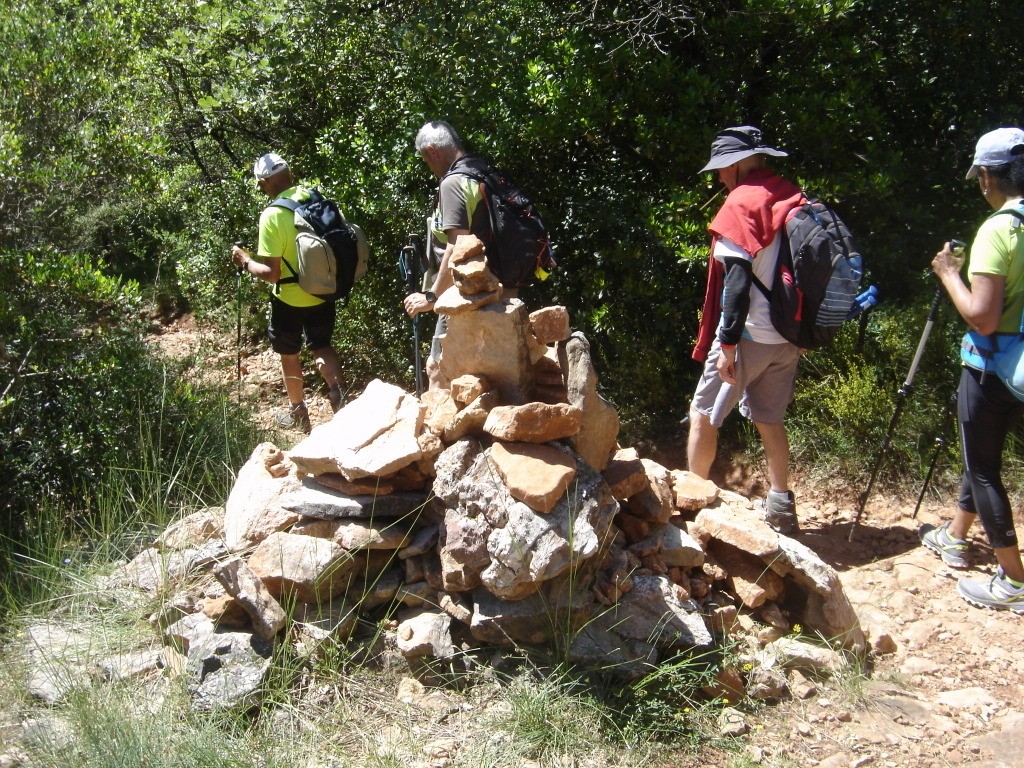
(902, 394)
(940, 443)
(410, 267)
(901, 399)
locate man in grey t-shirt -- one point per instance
(459, 212)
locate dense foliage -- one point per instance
(88, 415)
(128, 129)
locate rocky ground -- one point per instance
(949, 687)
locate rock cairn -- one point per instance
(496, 510)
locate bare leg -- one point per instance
(960, 525)
(1009, 559)
(776, 452)
(701, 444)
(291, 370)
(328, 365)
(433, 374)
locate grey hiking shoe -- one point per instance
(952, 551)
(779, 509)
(296, 417)
(334, 395)
(997, 592)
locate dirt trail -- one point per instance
(949, 693)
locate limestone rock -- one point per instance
(426, 634)
(691, 493)
(466, 248)
(599, 427)
(253, 510)
(228, 670)
(525, 548)
(153, 570)
(533, 422)
(557, 607)
(625, 474)
(749, 578)
(678, 548)
(241, 583)
(375, 434)
(193, 530)
(793, 653)
(439, 409)
(827, 608)
(454, 303)
(550, 324)
(312, 500)
(368, 486)
(654, 502)
(548, 378)
(653, 611)
(353, 535)
(225, 611)
(470, 420)
(463, 548)
(468, 387)
(312, 569)
(491, 342)
(472, 276)
(536, 475)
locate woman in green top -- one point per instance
(991, 304)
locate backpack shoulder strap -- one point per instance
(289, 205)
(1016, 212)
(285, 202)
(473, 166)
(784, 258)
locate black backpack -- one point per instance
(817, 277)
(517, 244)
(332, 253)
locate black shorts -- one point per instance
(288, 324)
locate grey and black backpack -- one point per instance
(817, 277)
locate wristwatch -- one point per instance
(431, 296)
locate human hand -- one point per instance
(947, 261)
(239, 256)
(416, 303)
(726, 365)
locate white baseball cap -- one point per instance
(268, 165)
(997, 148)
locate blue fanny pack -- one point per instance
(1000, 353)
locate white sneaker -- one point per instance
(997, 592)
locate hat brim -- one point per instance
(973, 172)
(731, 158)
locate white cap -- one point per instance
(268, 165)
(996, 148)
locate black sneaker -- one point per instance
(295, 417)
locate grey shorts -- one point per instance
(765, 375)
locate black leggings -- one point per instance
(987, 412)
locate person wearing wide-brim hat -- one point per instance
(743, 355)
(993, 306)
